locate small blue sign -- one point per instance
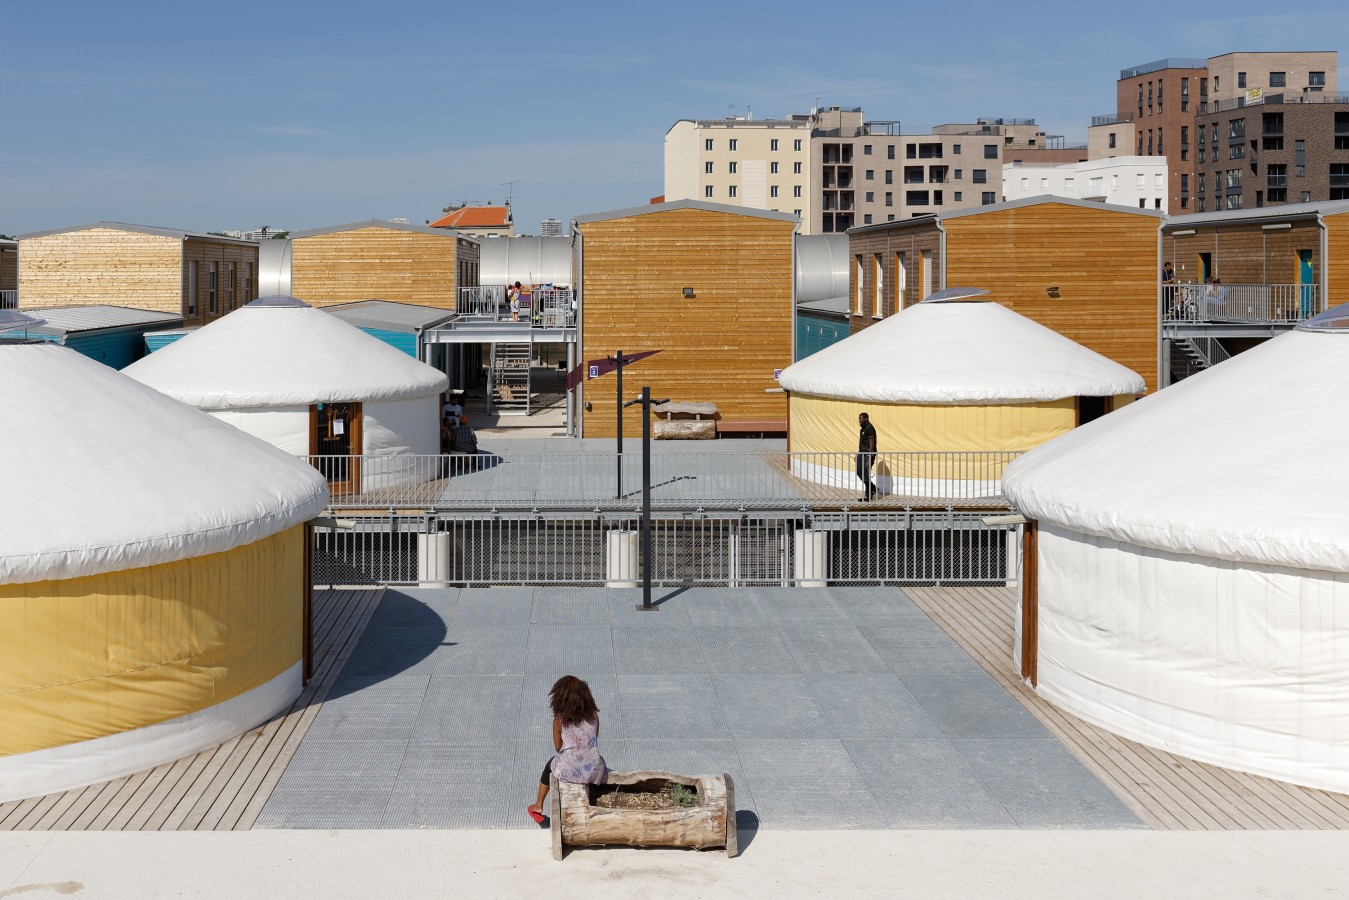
(594, 371)
(777, 374)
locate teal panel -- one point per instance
(158, 340)
(400, 340)
(814, 333)
(117, 349)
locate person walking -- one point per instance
(866, 454)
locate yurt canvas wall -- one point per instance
(153, 586)
(308, 383)
(1193, 565)
(954, 378)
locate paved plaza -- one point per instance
(832, 708)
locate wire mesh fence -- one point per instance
(688, 549)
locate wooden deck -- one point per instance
(1165, 791)
(221, 789)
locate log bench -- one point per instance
(577, 822)
(760, 427)
(685, 421)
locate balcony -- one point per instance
(1246, 304)
(542, 308)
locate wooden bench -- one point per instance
(684, 421)
(760, 427)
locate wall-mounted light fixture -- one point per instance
(688, 293)
(1280, 226)
(1053, 291)
(1185, 233)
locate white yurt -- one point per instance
(153, 586)
(951, 374)
(311, 384)
(1193, 562)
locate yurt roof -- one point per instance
(968, 353)
(1230, 464)
(107, 474)
(276, 353)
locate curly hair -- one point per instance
(572, 701)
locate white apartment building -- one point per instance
(739, 161)
(1135, 181)
(836, 170)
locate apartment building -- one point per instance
(845, 170)
(1135, 181)
(1173, 106)
(740, 161)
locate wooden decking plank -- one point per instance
(342, 650)
(130, 783)
(144, 791)
(170, 800)
(1281, 798)
(1132, 770)
(215, 781)
(17, 810)
(106, 791)
(139, 820)
(33, 816)
(280, 730)
(182, 809)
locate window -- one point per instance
(797, 213)
(733, 168)
(1241, 79)
(1159, 181)
(734, 144)
(1149, 142)
(1185, 142)
(1114, 182)
(248, 282)
(917, 198)
(1161, 151)
(936, 198)
(1140, 144)
(866, 219)
(1044, 185)
(1160, 84)
(1316, 79)
(877, 270)
(1142, 203)
(889, 199)
(772, 168)
(1111, 143)
(229, 286)
(960, 173)
(1025, 185)
(796, 168)
(773, 191)
(960, 196)
(1233, 201)
(1233, 180)
(1341, 131)
(1141, 181)
(731, 191)
(989, 198)
(1185, 95)
(955, 149)
(871, 196)
(773, 145)
(211, 287)
(192, 288)
(796, 191)
(1306, 196)
(981, 176)
(1068, 184)
(1339, 181)
(1236, 151)
(1157, 203)
(890, 151)
(1278, 79)
(707, 168)
(889, 176)
(871, 175)
(1215, 84)
(707, 191)
(707, 144)
(1236, 129)
(796, 144)
(1276, 182)
(857, 289)
(866, 149)
(890, 217)
(990, 151)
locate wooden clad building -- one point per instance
(710, 286)
(1086, 270)
(197, 276)
(382, 260)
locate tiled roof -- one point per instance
(476, 217)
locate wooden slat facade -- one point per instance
(9, 266)
(1240, 251)
(722, 345)
(1164, 790)
(1337, 258)
(374, 262)
(220, 789)
(1102, 259)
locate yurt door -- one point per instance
(335, 444)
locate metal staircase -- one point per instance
(509, 385)
(1191, 355)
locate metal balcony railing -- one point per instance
(1239, 303)
(680, 480)
(9, 299)
(542, 307)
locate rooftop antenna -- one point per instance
(510, 189)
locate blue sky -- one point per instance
(210, 116)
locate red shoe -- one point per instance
(534, 814)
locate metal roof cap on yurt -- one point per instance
(279, 351)
(1231, 463)
(117, 476)
(956, 349)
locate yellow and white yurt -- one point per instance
(952, 374)
(1193, 563)
(153, 585)
(309, 383)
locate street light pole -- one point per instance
(617, 360)
(647, 403)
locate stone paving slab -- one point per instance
(831, 708)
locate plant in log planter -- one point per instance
(645, 809)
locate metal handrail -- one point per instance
(9, 299)
(681, 480)
(543, 307)
(1239, 303)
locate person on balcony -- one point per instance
(1168, 274)
(866, 454)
